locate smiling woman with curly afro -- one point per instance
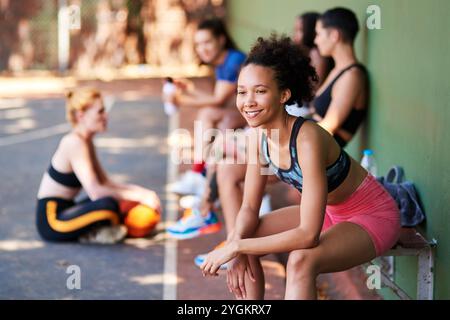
(292, 68)
(344, 218)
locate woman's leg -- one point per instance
(209, 118)
(232, 119)
(229, 178)
(275, 222)
(278, 221)
(210, 193)
(341, 247)
(255, 290)
(68, 223)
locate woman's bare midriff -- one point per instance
(355, 177)
(50, 188)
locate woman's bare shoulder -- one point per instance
(354, 74)
(312, 136)
(71, 142)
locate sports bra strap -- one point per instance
(295, 129)
(345, 70)
(67, 179)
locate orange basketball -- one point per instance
(127, 205)
(141, 220)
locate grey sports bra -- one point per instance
(336, 172)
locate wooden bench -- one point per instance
(410, 243)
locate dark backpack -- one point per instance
(404, 193)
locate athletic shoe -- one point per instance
(190, 183)
(190, 202)
(201, 257)
(193, 224)
(105, 235)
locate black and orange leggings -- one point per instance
(64, 220)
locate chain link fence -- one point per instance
(104, 35)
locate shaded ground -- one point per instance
(132, 150)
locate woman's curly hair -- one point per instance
(291, 65)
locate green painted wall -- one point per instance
(409, 63)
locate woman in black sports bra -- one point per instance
(345, 217)
(74, 166)
(340, 104)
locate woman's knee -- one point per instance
(107, 203)
(229, 175)
(225, 124)
(232, 120)
(301, 263)
(208, 114)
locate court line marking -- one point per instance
(34, 135)
(49, 131)
(170, 245)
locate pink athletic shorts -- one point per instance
(371, 207)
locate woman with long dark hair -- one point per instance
(214, 47)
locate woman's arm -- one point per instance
(254, 185)
(83, 164)
(248, 218)
(312, 160)
(312, 208)
(343, 98)
(101, 174)
(222, 91)
(94, 180)
(104, 179)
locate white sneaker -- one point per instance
(190, 183)
(193, 224)
(190, 202)
(105, 235)
(168, 89)
(265, 205)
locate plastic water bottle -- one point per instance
(168, 89)
(368, 162)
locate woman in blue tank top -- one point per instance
(345, 217)
(216, 110)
